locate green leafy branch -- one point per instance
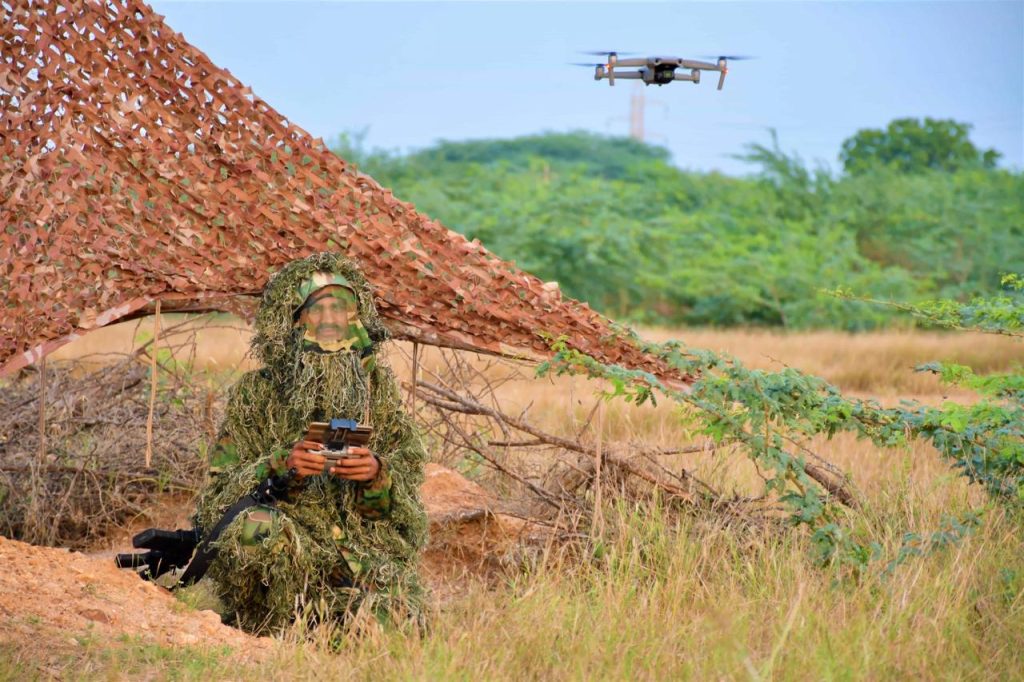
(771, 414)
(984, 440)
(1002, 314)
(768, 413)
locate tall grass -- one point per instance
(696, 598)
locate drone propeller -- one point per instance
(599, 70)
(609, 68)
(587, 64)
(722, 63)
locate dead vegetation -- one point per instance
(73, 467)
(555, 476)
(74, 438)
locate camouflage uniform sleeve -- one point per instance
(373, 499)
(275, 464)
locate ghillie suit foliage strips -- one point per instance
(323, 529)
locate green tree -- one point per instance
(912, 146)
(955, 232)
(617, 225)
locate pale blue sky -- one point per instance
(412, 73)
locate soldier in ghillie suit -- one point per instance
(340, 541)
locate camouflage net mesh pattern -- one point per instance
(132, 169)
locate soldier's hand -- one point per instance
(305, 462)
(361, 465)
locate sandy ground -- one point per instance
(56, 598)
(53, 601)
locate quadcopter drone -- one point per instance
(659, 70)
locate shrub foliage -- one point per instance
(618, 226)
(773, 415)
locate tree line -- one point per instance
(917, 212)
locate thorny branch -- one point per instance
(462, 411)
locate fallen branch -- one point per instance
(450, 400)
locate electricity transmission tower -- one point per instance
(637, 111)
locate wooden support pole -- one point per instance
(41, 456)
(152, 386)
(33, 524)
(415, 376)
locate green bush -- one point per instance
(618, 226)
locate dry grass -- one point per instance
(879, 363)
(696, 601)
(701, 600)
(874, 363)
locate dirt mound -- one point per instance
(51, 598)
(469, 538)
(448, 495)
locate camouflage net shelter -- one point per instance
(134, 170)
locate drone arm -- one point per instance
(693, 76)
(629, 63)
(693, 64)
(625, 75)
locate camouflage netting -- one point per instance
(322, 528)
(132, 169)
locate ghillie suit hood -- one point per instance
(270, 409)
(277, 339)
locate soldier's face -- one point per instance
(327, 316)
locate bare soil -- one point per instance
(53, 600)
(469, 538)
